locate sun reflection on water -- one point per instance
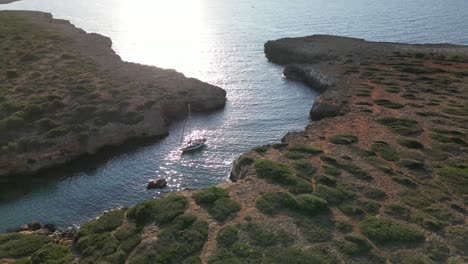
(171, 27)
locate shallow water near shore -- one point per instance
(220, 42)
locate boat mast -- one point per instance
(183, 127)
(189, 121)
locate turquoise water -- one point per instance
(220, 42)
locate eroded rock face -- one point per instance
(307, 74)
(324, 108)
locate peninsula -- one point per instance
(380, 176)
(65, 93)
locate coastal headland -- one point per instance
(65, 93)
(379, 176)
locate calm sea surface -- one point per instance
(220, 42)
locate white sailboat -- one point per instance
(193, 143)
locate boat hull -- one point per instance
(192, 148)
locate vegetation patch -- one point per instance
(385, 151)
(456, 178)
(14, 245)
(281, 174)
(218, 203)
(343, 139)
(180, 242)
(401, 126)
(457, 237)
(405, 256)
(304, 169)
(330, 194)
(388, 103)
(353, 245)
(227, 236)
(306, 149)
(383, 230)
(52, 253)
(409, 143)
(160, 211)
(276, 202)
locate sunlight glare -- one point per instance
(175, 34)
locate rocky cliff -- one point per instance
(65, 93)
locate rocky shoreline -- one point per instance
(97, 99)
(379, 177)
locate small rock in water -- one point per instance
(34, 226)
(160, 183)
(50, 227)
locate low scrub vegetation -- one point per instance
(383, 230)
(218, 203)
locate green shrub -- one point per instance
(52, 254)
(353, 245)
(355, 171)
(412, 164)
(13, 122)
(227, 236)
(317, 229)
(385, 151)
(175, 244)
(304, 169)
(385, 230)
(306, 149)
(409, 143)
(397, 210)
(46, 124)
(57, 132)
(379, 164)
(388, 103)
(274, 171)
(15, 245)
(330, 194)
(294, 155)
(401, 126)
(275, 202)
(415, 70)
(331, 170)
(457, 236)
(210, 195)
(297, 256)
(405, 256)
(309, 204)
(373, 193)
(217, 202)
(300, 186)
(246, 161)
(261, 149)
(343, 139)
(326, 179)
(224, 209)
(83, 113)
(344, 227)
(437, 250)
(456, 180)
(160, 211)
(260, 236)
(32, 111)
(106, 222)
